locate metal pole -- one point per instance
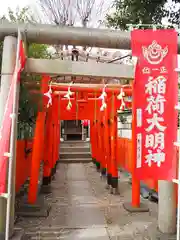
(177, 181)
(13, 140)
(178, 210)
(59, 35)
(8, 63)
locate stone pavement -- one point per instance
(82, 209)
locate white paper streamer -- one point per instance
(49, 95)
(68, 96)
(121, 97)
(102, 97)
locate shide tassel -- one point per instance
(68, 96)
(49, 95)
(102, 97)
(121, 97)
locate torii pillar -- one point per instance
(8, 65)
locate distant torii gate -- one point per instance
(85, 104)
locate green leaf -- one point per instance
(141, 11)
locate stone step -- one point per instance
(75, 143)
(64, 149)
(74, 146)
(76, 160)
(72, 155)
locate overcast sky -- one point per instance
(13, 4)
(21, 3)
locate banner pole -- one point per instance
(178, 210)
(8, 63)
(11, 184)
(177, 181)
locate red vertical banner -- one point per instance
(5, 130)
(155, 97)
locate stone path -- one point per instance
(82, 209)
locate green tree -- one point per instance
(28, 102)
(145, 12)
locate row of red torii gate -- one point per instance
(154, 89)
(95, 103)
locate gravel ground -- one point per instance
(122, 224)
(82, 208)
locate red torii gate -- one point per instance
(85, 105)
